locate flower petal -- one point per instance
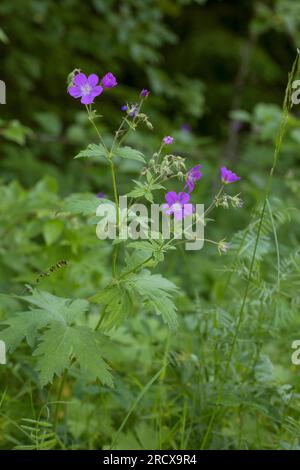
(188, 209)
(190, 185)
(183, 198)
(167, 209)
(93, 79)
(227, 176)
(87, 99)
(80, 79)
(109, 80)
(171, 197)
(96, 91)
(178, 215)
(197, 167)
(74, 91)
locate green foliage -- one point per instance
(93, 151)
(155, 291)
(62, 341)
(130, 153)
(166, 354)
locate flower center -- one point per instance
(176, 207)
(86, 89)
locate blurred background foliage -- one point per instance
(217, 74)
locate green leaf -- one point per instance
(96, 151)
(23, 325)
(157, 292)
(60, 341)
(49, 309)
(85, 204)
(66, 310)
(130, 153)
(16, 132)
(117, 302)
(142, 245)
(240, 115)
(3, 37)
(137, 192)
(149, 197)
(155, 247)
(52, 231)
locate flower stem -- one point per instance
(116, 198)
(135, 268)
(58, 398)
(91, 119)
(212, 205)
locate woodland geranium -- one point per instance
(177, 204)
(194, 174)
(144, 93)
(86, 88)
(168, 140)
(228, 176)
(109, 80)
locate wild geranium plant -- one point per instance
(55, 327)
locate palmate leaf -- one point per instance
(49, 309)
(156, 248)
(65, 310)
(118, 304)
(85, 204)
(95, 151)
(144, 189)
(141, 192)
(154, 290)
(157, 292)
(61, 341)
(130, 153)
(23, 325)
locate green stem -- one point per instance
(102, 316)
(58, 398)
(138, 266)
(116, 198)
(91, 119)
(210, 208)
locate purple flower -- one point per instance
(194, 174)
(144, 93)
(109, 80)
(177, 204)
(168, 139)
(228, 176)
(124, 107)
(101, 195)
(85, 88)
(186, 128)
